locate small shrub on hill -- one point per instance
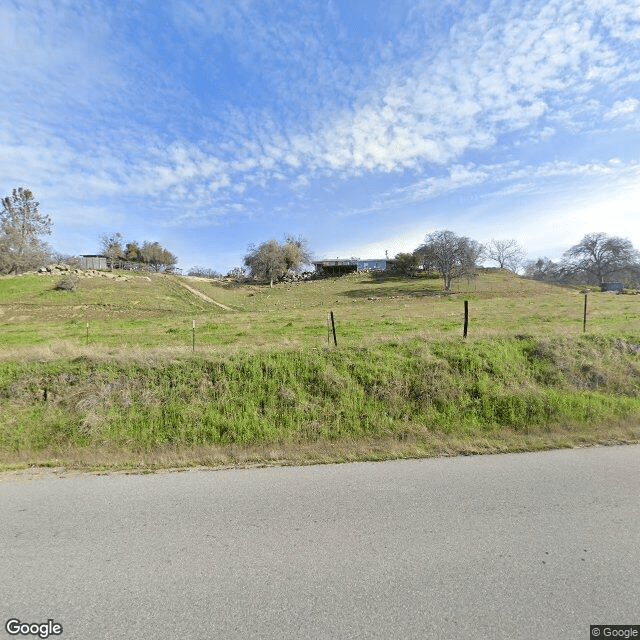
(66, 284)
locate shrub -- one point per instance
(67, 284)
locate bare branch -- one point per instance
(599, 257)
(508, 254)
(451, 255)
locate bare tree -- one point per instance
(239, 275)
(451, 255)
(72, 261)
(111, 246)
(21, 225)
(598, 257)
(507, 253)
(472, 252)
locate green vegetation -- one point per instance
(263, 384)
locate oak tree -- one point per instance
(158, 257)
(507, 253)
(452, 256)
(599, 257)
(271, 260)
(111, 246)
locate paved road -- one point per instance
(530, 546)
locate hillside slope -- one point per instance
(113, 375)
(131, 311)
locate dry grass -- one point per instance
(434, 444)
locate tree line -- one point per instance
(452, 257)
(596, 259)
(270, 261)
(444, 252)
(149, 254)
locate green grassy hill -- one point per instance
(157, 312)
(265, 384)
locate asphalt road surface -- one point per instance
(531, 546)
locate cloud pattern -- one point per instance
(215, 107)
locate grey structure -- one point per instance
(342, 266)
(612, 286)
(93, 262)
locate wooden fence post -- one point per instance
(333, 326)
(466, 318)
(193, 337)
(584, 319)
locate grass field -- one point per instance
(108, 377)
(157, 312)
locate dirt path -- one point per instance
(204, 297)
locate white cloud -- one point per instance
(93, 116)
(506, 179)
(622, 108)
(622, 17)
(494, 76)
(594, 200)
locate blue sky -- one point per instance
(207, 125)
